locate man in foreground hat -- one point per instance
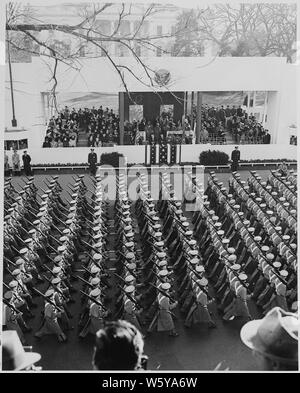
(14, 357)
(273, 340)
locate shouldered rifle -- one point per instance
(130, 297)
(56, 228)
(53, 286)
(163, 292)
(48, 300)
(90, 246)
(94, 300)
(49, 270)
(203, 290)
(20, 285)
(245, 285)
(84, 281)
(6, 286)
(11, 306)
(117, 275)
(9, 261)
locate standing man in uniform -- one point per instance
(235, 158)
(92, 160)
(26, 163)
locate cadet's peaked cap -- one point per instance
(194, 261)
(129, 234)
(270, 256)
(232, 258)
(220, 232)
(61, 248)
(193, 252)
(129, 289)
(58, 258)
(19, 261)
(162, 263)
(95, 292)
(56, 269)
(129, 278)
(236, 267)
(95, 281)
(200, 269)
(13, 284)
(265, 248)
(23, 251)
(163, 273)
(231, 250)
(243, 277)
(29, 240)
(129, 255)
(97, 257)
(131, 266)
(277, 264)
(165, 286)
(283, 273)
(203, 282)
(225, 241)
(159, 244)
(55, 281)
(129, 244)
(8, 295)
(16, 272)
(49, 293)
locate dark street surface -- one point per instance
(196, 348)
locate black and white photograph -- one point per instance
(149, 202)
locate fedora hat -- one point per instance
(14, 356)
(275, 336)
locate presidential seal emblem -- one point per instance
(162, 77)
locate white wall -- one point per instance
(136, 154)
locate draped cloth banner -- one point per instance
(153, 154)
(163, 154)
(173, 155)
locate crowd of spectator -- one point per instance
(102, 127)
(234, 121)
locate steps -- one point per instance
(82, 139)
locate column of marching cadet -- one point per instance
(157, 297)
(187, 262)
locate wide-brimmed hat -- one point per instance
(275, 336)
(14, 356)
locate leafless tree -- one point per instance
(251, 29)
(23, 34)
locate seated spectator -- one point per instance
(119, 346)
(274, 340)
(65, 142)
(72, 142)
(46, 142)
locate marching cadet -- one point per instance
(131, 314)
(239, 308)
(97, 314)
(13, 319)
(50, 323)
(163, 321)
(198, 312)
